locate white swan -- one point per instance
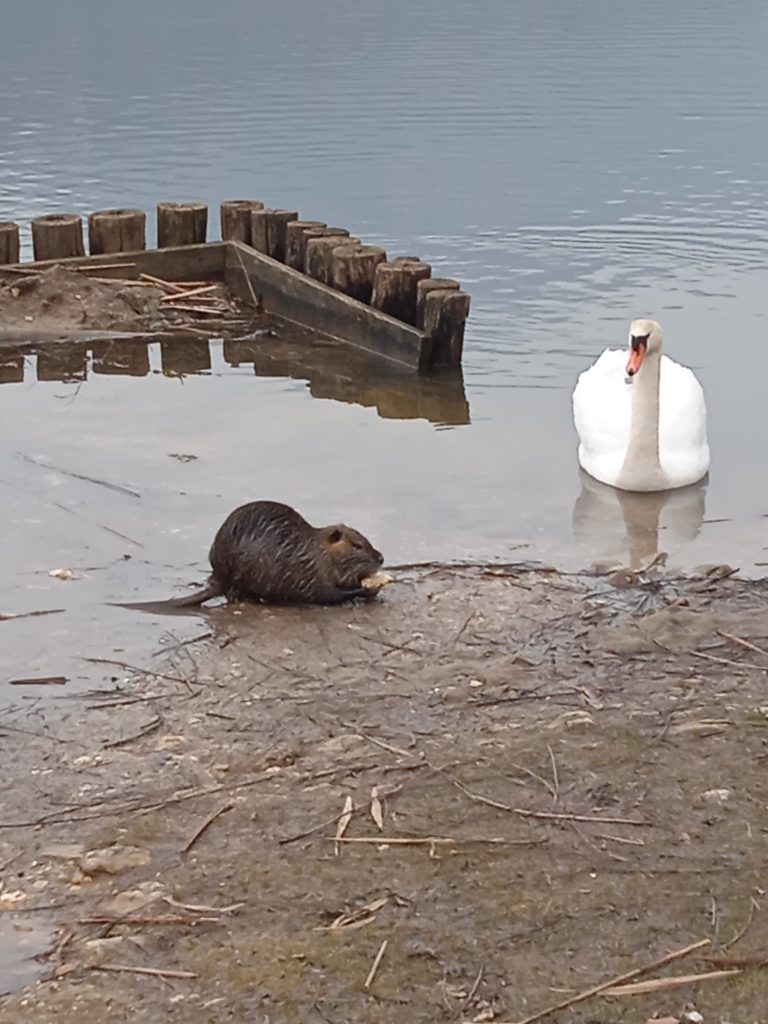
(640, 417)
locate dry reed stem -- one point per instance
(597, 990)
(375, 964)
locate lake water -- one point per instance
(574, 165)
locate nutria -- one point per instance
(266, 551)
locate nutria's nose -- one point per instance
(378, 556)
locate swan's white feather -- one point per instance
(602, 410)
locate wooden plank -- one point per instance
(181, 263)
(296, 297)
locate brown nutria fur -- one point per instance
(266, 551)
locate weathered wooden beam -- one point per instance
(9, 242)
(299, 298)
(57, 236)
(181, 224)
(117, 231)
(186, 263)
(236, 219)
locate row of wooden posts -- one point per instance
(404, 287)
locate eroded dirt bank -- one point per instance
(580, 770)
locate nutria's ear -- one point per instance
(335, 535)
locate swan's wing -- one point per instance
(682, 410)
(602, 405)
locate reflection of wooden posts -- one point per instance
(9, 242)
(62, 362)
(12, 362)
(123, 358)
(268, 231)
(181, 224)
(236, 219)
(320, 254)
(57, 236)
(192, 355)
(394, 287)
(296, 241)
(117, 231)
(353, 270)
(444, 313)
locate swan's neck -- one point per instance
(642, 469)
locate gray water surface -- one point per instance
(575, 165)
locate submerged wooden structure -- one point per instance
(302, 271)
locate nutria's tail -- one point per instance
(198, 597)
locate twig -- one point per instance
(375, 964)
(759, 960)
(207, 310)
(753, 906)
(29, 615)
(200, 908)
(206, 825)
(434, 840)
(41, 681)
(661, 984)
(596, 990)
(535, 775)
(555, 779)
(547, 815)
(729, 661)
(135, 919)
(155, 972)
(167, 286)
(104, 266)
(80, 476)
(472, 991)
(744, 643)
(188, 294)
(144, 731)
(137, 668)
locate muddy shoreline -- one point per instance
(579, 768)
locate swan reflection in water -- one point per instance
(631, 528)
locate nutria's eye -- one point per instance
(335, 536)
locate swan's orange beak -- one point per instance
(638, 348)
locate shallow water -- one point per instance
(573, 166)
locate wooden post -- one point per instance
(445, 313)
(236, 219)
(181, 224)
(268, 231)
(353, 270)
(57, 237)
(9, 242)
(320, 233)
(394, 287)
(296, 241)
(117, 231)
(431, 284)
(320, 254)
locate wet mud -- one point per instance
(484, 793)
